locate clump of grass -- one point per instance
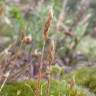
(50, 55)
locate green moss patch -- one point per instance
(58, 88)
(85, 77)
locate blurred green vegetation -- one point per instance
(28, 88)
(85, 77)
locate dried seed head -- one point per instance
(27, 39)
(51, 51)
(50, 13)
(47, 24)
(70, 34)
(2, 10)
(59, 23)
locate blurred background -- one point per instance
(73, 30)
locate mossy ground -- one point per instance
(85, 77)
(58, 88)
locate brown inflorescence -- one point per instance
(51, 51)
(47, 24)
(27, 39)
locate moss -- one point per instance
(27, 88)
(85, 77)
(17, 89)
